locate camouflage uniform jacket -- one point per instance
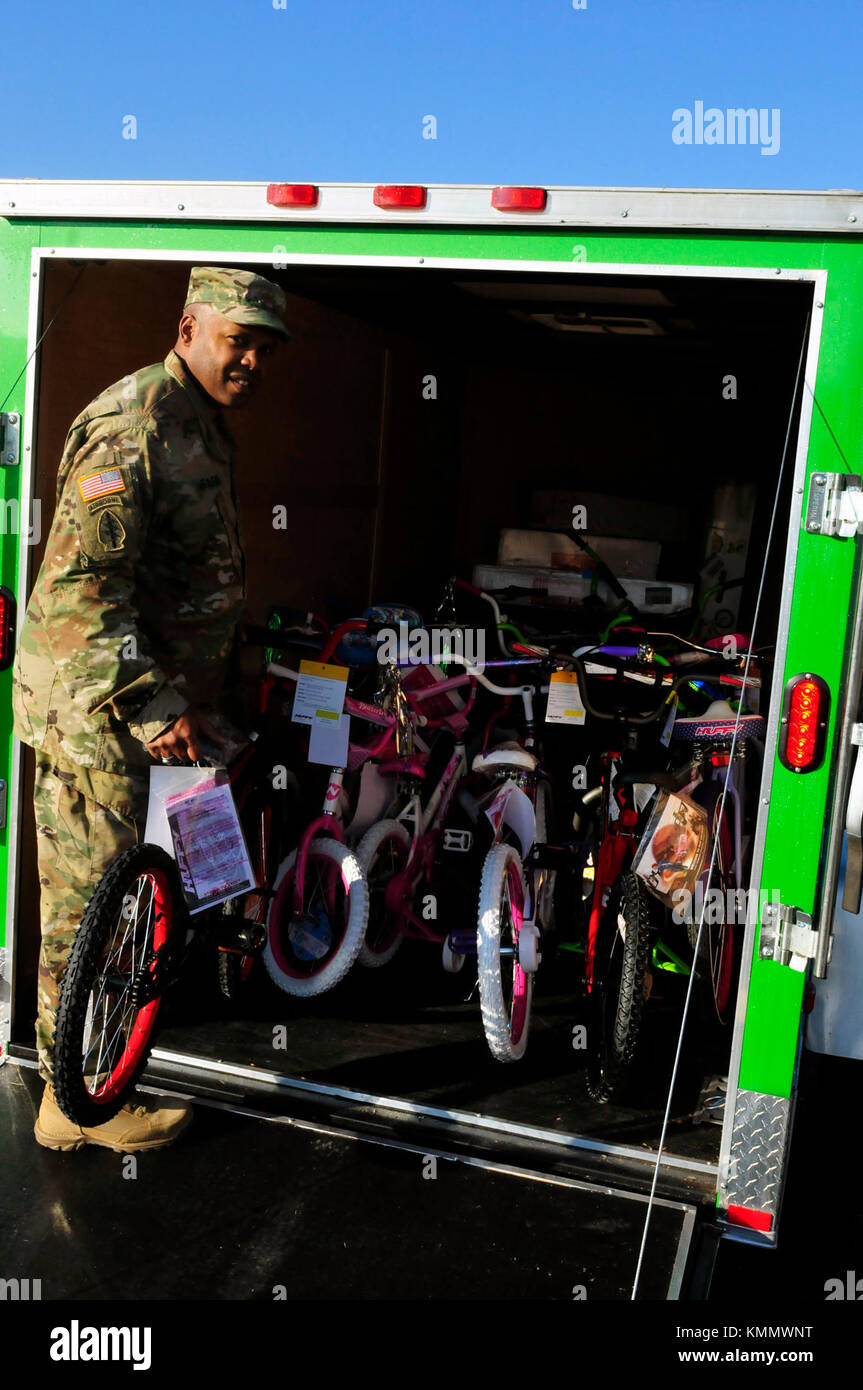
(133, 614)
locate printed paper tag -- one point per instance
(208, 847)
(328, 742)
(320, 693)
(665, 738)
(564, 699)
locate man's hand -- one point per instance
(183, 739)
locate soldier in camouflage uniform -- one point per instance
(126, 644)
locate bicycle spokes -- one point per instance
(119, 1009)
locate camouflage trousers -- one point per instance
(84, 819)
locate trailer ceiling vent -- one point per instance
(519, 199)
(616, 324)
(399, 195)
(803, 729)
(292, 195)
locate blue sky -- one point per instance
(530, 91)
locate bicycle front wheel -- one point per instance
(309, 950)
(618, 992)
(505, 989)
(111, 988)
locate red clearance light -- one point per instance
(803, 729)
(292, 195)
(746, 1216)
(518, 199)
(399, 195)
(7, 627)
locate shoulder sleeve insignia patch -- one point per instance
(98, 484)
(111, 531)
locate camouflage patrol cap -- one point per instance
(239, 295)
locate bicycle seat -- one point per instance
(414, 767)
(505, 755)
(719, 722)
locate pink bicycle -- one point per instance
(317, 919)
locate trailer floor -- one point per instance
(250, 1209)
(409, 1032)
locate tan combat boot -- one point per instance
(139, 1125)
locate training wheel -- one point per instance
(451, 960)
(529, 955)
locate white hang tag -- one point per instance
(565, 704)
(320, 692)
(329, 741)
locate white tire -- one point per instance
(390, 839)
(288, 960)
(505, 991)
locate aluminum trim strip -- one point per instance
(472, 1160)
(838, 211)
(810, 375)
(27, 467)
(796, 274)
(676, 1280)
(468, 1118)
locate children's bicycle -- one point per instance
(137, 938)
(625, 934)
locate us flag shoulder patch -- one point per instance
(98, 484)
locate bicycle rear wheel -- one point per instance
(715, 958)
(618, 992)
(383, 852)
(111, 988)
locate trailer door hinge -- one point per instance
(835, 505)
(787, 936)
(10, 438)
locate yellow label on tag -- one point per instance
(320, 668)
(565, 677)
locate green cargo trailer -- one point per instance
(468, 359)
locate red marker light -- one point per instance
(292, 195)
(399, 195)
(7, 627)
(804, 723)
(518, 199)
(746, 1216)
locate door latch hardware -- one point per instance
(835, 505)
(787, 936)
(10, 438)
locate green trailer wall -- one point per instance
(823, 577)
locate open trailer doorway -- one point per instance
(424, 422)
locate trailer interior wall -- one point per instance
(614, 386)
